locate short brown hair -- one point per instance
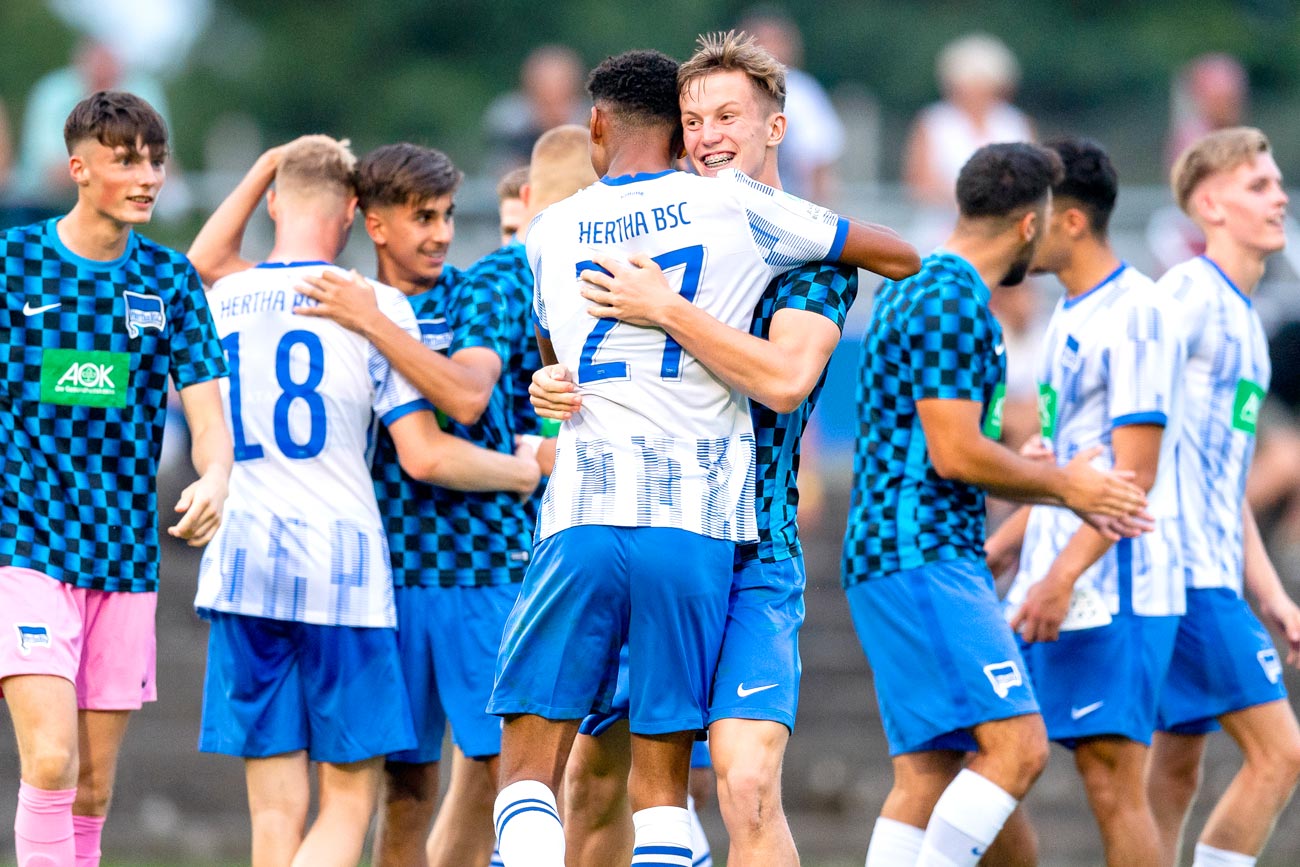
(735, 51)
(405, 174)
(316, 164)
(115, 118)
(1220, 151)
(512, 183)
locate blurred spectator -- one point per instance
(42, 176)
(510, 203)
(550, 94)
(1209, 93)
(977, 75)
(814, 138)
(6, 150)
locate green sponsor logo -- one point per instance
(75, 377)
(1047, 410)
(1246, 406)
(993, 418)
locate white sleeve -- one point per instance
(787, 231)
(1146, 360)
(533, 249)
(394, 396)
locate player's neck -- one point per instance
(990, 257)
(93, 235)
(306, 240)
(1091, 264)
(387, 273)
(1244, 266)
(639, 155)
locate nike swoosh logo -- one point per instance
(1001, 348)
(1081, 712)
(745, 693)
(29, 310)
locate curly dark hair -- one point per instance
(1001, 179)
(1090, 183)
(116, 118)
(641, 86)
(404, 174)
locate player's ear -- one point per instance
(1030, 225)
(351, 210)
(776, 129)
(1205, 206)
(375, 227)
(526, 196)
(272, 205)
(78, 170)
(596, 126)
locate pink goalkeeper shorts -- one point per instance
(102, 642)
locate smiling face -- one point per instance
(1247, 204)
(727, 124)
(119, 183)
(411, 240)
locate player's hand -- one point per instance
(637, 293)
(1283, 615)
(269, 162)
(531, 472)
(1037, 449)
(201, 504)
(1103, 492)
(1000, 558)
(347, 299)
(1043, 611)
(554, 394)
(1122, 527)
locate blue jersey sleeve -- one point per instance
(821, 288)
(479, 317)
(949, 340)
(196, 353)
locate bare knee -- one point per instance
(410, 783)
(1276, 761)
(94, 791)
(749, 793)
(51, 765)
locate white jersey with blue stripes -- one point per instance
(1112, 357)
(301, 537)
(1228, 374)
(660, 441)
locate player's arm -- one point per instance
(1262, 581)
(430, 455)
(1137, 450)
(215, 250)
(778, 372)
(959, 451)
(1002, 547)
(460, 385)
(212, 454)
(879, 249)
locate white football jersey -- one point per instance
(1113, 356)
(660, 441)
(1228, 372)
(301, 537)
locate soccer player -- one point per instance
(652, 485)
(96, 319)
(297, 585)
(732, 93)
(921, 596)
(1097, 619)
(1225, 666)
(510, 204)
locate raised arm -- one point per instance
(879, 249)
(778, 372)
(430, 455)
(211, 451)
(215, 250)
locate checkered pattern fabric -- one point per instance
(818, 288)
(79, 501)
(931, 336)
(443, 538)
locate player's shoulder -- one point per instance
(503, 262)
(827, 277)
(944, 275)
(17, 238)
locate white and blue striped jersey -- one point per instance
(301, 538)
(1228, 372)
(660, 441)
(1113, 356)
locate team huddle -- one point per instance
(650, 344)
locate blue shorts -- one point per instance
(277, 686)
(759, 667)
(1102, 681)
(591, 588)
(700, 758)
(1224, 661)
(448, 638)
(943, 657)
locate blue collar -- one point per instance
(634, 179)
(1228, 280)
(52, 227)
(1070, 302)
(292, 264)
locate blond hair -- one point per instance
(1220, 151)
(561, 165)
(314, 165)
(735, 51)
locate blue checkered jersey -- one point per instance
(930, 336)
(817, 288)
(88, 348)
(438, 537)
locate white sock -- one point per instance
(894, 844)
(663, 837)
(701, 854)
(529, 833)
(1208, 856)
(496, 858)
(967, 818)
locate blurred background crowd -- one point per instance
(886, 100)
